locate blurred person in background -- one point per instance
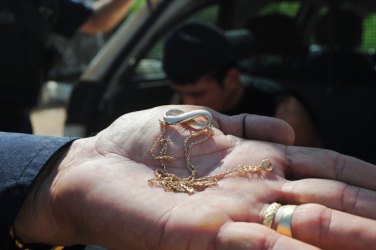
(25, 56)
(201, 62)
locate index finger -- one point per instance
(311, 162)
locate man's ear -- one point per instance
(232, 78)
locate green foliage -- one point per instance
(288, 8)
(136, 5)
(369, 33)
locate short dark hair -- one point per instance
(195, 49)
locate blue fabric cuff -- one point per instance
(22, 157)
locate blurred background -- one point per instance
(74, 55)
(323, 50)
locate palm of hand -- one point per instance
(116, 180)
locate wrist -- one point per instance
(36, 216)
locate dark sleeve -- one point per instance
(71, 15)
(22, 157)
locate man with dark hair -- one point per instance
(201, 62)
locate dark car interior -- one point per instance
(321, 50)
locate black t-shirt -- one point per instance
(261, 97)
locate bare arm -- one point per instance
(294, 113)
(107, 14)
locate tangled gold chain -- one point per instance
(203, 129)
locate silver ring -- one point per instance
(284, 222)
(196, 119)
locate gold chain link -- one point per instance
(191, 184)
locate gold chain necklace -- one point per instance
(200, 123)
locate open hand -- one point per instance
(99, 192)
